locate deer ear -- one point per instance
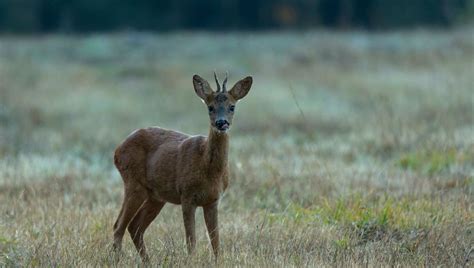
(241, 88)
(201, 86)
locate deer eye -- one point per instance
(211, 109)
(232, 108)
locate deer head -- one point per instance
(221, 103)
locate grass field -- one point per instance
(351, 148)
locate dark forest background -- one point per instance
(43, 16)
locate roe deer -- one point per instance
(159, 166)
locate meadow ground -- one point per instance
(351, 148)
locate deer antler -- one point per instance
(224, 89)
(217, 82)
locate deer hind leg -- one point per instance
(146, 214)
(130, 160)
(134, 197)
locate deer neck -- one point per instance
(216, 152)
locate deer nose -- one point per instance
(221, 124)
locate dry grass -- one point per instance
(351, 149)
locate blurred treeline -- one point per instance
(104, 15)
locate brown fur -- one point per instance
(159, 166)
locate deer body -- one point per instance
(160, 166)
(177, 166)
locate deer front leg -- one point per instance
(189, 225)
(210, 217)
